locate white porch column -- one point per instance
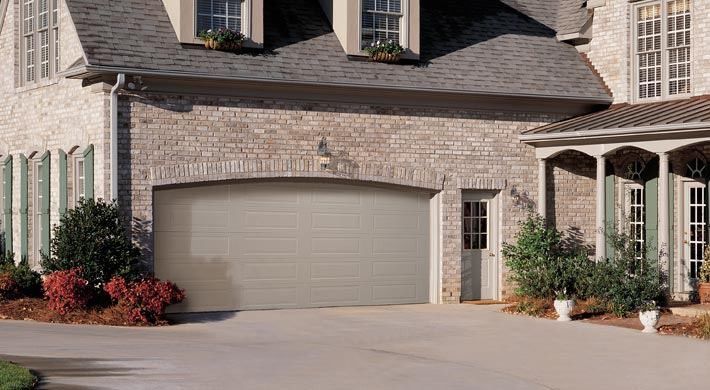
(542, 187)
(663, 219)
(601, 206)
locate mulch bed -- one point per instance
(35, 309)
(669, 324)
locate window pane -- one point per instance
(215, 14)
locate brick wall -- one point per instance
(611, 47)
(51, 115)
(473, 150)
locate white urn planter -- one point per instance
(563, 308)
(649, 319)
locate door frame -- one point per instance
(683, 264)
(495, 234)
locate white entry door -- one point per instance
(694, 231)
(479, 249)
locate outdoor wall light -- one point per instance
(521, 199)
(324, 153)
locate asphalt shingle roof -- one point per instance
(485, 47)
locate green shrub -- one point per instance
(14, 377)
(628, 281)
(29, 282)
(92, 237)
(541, 265)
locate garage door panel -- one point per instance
(263, 194)
(175, 217)
(396, 269)
(398, 246)
(335, 295)
(266, 246)
(269, 220)
(204, 195)
(195, 244)
(399, 223)
(336, 221)
(270, 298)
(288, 245)
(274, 271)
(337, 246)
(323, 197)
(391, 200)
(394, 293)
(336, 270)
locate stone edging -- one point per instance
(266, 168)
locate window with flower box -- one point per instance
(216, 14)
(383, 20)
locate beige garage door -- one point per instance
(292, 244)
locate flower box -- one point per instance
(386, 52)
(224, 39)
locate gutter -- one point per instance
(615, 132)
(120, 83)
(80, 71)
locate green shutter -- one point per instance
(650, 175)
(89, 172)
(62, 183)
(610, 207)
(7, 190)
(44, 217)
(23, 208)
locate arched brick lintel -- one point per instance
(267, 169)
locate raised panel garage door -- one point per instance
(292, 244)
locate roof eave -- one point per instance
(89, 71)
(610, 133)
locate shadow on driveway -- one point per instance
(50, 369)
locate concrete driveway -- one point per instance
(396, 347)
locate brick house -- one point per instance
(296, 173)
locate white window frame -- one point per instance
(245, 23)
(625, 188)
(665, 78)
(482, 245)
(53, 14)
(37, 197)
(403, 25)
(79, 176)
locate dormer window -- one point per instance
(215, 14)
(663, 49)
(383, 20)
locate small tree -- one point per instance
(92, 237)
(541, 265)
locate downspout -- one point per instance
(120, 82)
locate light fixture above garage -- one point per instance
(324, 153)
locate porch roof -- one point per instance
(628, 119)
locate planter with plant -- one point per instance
(387, 52)
(704, 279)
(543, 266)
(224, 39)
(649, 315)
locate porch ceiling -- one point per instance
(629, 119)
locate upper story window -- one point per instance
(215, 14)
(382, 20)
(40, 39)
(663, 49)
